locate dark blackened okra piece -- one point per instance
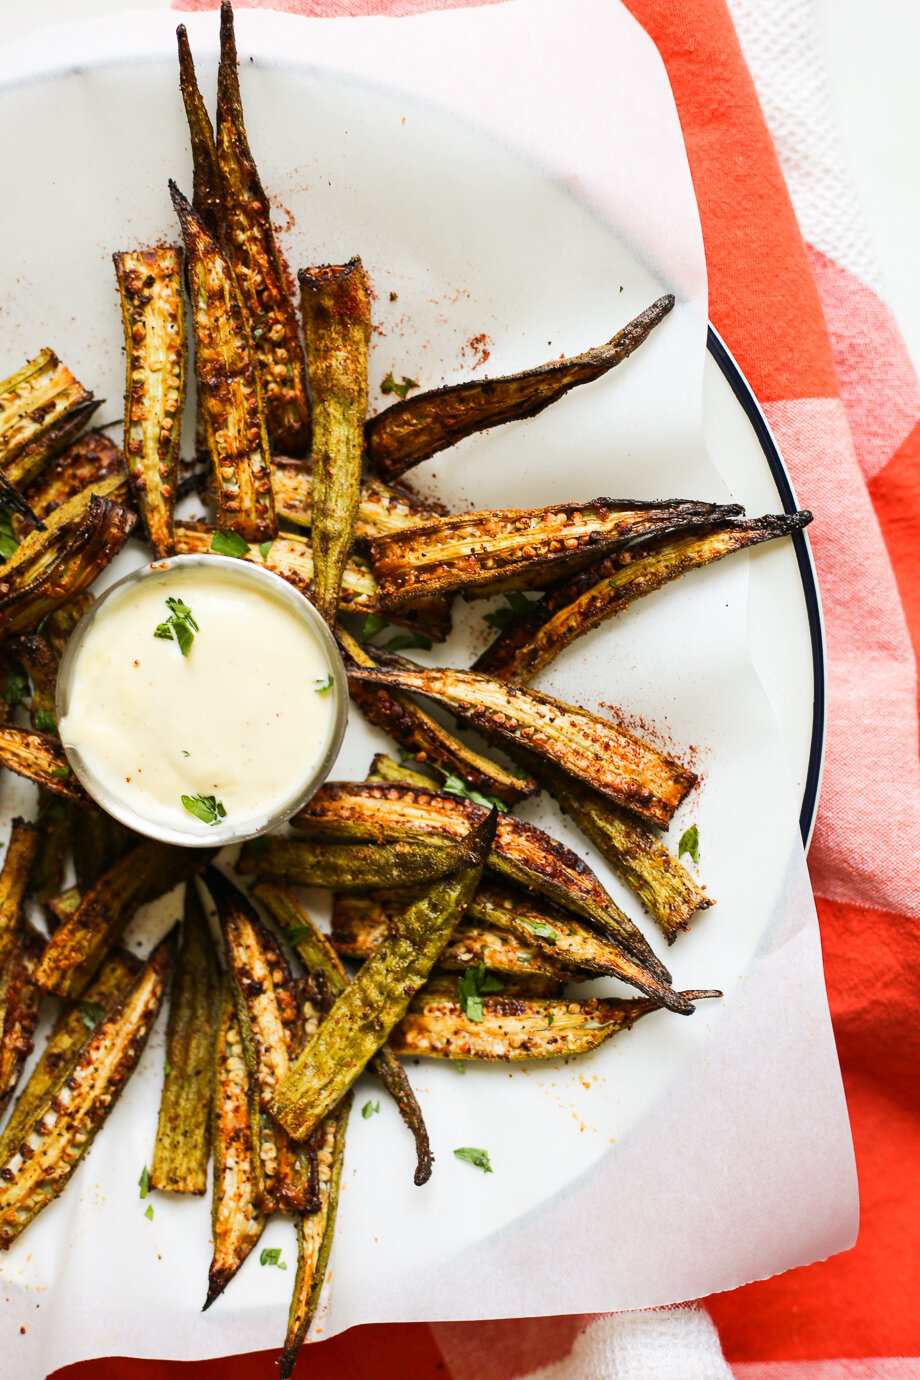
(229, 395)
(153, 315)
(364, 1013)
(183, 1140)
(580, 744)
(319, 957)
(418, 427)
(63, 1126)
(335, 305)
(427, 739)
(568, 610)
(237, 1221)
(261, 273)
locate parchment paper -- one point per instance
(520, 183)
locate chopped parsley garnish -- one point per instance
(272, 1256)
(516, 604)
(478, 1158)
(369, 1109)
(91, 1013)
(143, 1182)
(474, 984)
(265, 547)
(229, 544)
(60, 771)
(390, 385)
(186, 753)
(405, 640)
(8, 538)
(180, 625)
(394, 297)
(541, 930)
(298, 932)
(690, 843)
(167, 1068)
(550, 1018)
(459, 1066)
(45, 721)
(372, 625)
(321, 686)
(205, 807)
(16, 687)
(454, 786)
(149, 1213)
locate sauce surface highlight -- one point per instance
(242, 718)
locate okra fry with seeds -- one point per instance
(517, 1028)
(153, 315)
(291, 557)
(78, 946)
(39, 455)
(64, 1125)
(382, 508)
(429, 741)
(335, 305)
(33, 401)
(416, 428)
(597, 751)
(260, 271)
(71, 1032)
(318, 955)
(20, 1000)
(40, 758)
(237, 1221)
(366, 1011)
(522, 854)
(228, 386)
(483, 553)
(568, 610)
(205, 175)
(183, 1141)
(345, 866)
(19, 860)
(83, 463)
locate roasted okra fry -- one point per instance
(318, 956)
(237, 1221)
(568, 610)
(153, 315)
(19, 1003)
(418, 427)
(205, 175)
(594, 750)
(63, 1126)
(83, 463)
(19, 860)
(345, 866)
(40, 758)
(228, 386)
(183, 1140)
(365, 1012)
(34, 403)
(483, 553)
(516, 1027)
(260, 271)
(382, 508)
(335, 305)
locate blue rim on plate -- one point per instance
(745, 396)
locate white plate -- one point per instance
(476, 242)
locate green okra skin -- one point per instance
(20, 1000)
(418, 427)
(19, 859)
(34, 402)
(318, 956)
(70, 1034)
(83, 462)
(314, 1234)
(260, 271)
(345, 866)
(516, 1027)
(205, 174)
(98, 843)
(183, 1141)
(366, 1011)
(237, 1221)
(39, 757)
(335, 306)
(153, 315)
(429, 741)
(64, 1125)
(574, 606)
(382, 507)
(29, 466)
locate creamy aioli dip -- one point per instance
(242, 720)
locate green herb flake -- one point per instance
(372, 625)
(91, 1013)
(45, 721)
(16, 687)
(143, 1182)
(149, 1213)
(8, 538)
(179, 626)
(405, 641)
(478, 1158)
(185, 752)
(550, 1018)
(473, 985)
(369, 1109)
(541, 930)
(265, 547)
(167, 1068)
(229, 544)
(59, 771)
(690, 843)
(394, 297)
(321, 686)
(390, 385)
(271, 1255)
(459, 1066)
(516, 605)
(454, 786)
(205, 807)
(298, 932)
